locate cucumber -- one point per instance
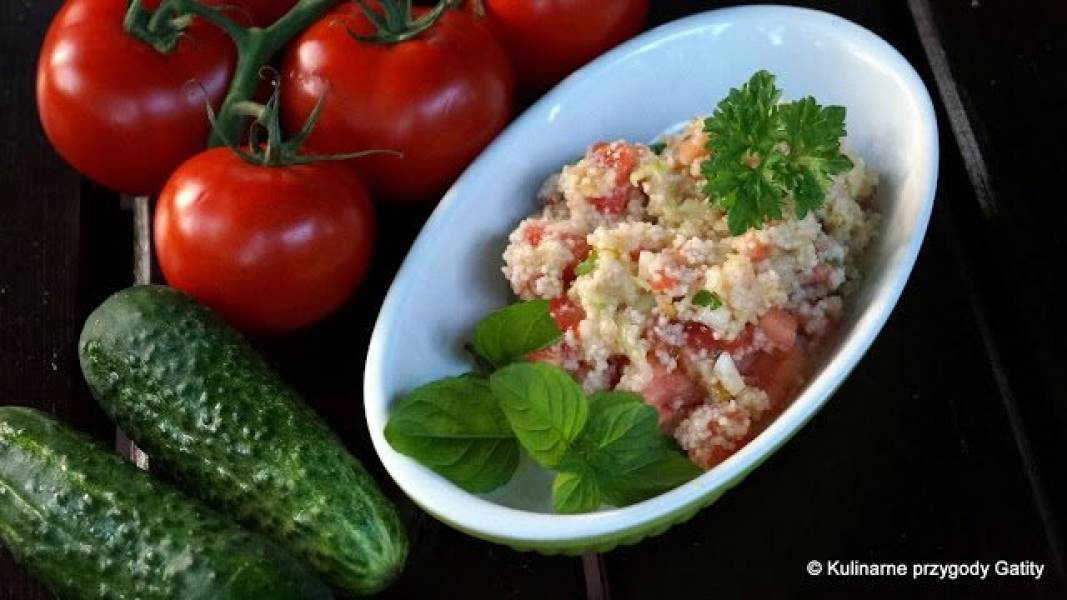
(193, 394)
(91, 525)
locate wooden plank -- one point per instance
(142, 274)
(913, 459)
(1004, 63)
(61, 248)
(325, 364)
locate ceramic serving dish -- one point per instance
(451, 277)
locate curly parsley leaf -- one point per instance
(762, 151)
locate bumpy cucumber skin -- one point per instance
(191, 392)
(90, 525)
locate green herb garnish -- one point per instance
(625, 452)
(606, 448)
(509, 334)
(762, 151)
(586, 266)
(455, 427)
(657, 147)
(545, 407)
(707, 298)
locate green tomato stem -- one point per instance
(170, 10)
(255, 46)
(395, 23)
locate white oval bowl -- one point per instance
(451, 277)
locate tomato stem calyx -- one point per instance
(161, 35)
(163, 28)
(395, 23)
(275, 151)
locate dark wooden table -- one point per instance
(945, 445)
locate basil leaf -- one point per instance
(623, 446)
(657, 147)
(575, 493)
(669, 470)
(622, 433)
(546, 408)
(455, 427)
(509, 334)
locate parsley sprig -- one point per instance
(763, 151)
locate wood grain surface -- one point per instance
(944, 445)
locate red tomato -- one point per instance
(623, 158)
(266, 12)
(548, 39)
(780, 327)
(700, 337)
(566, 313)
(271, 248)
(661, 282)
(115, 108)
(619, 156)
(672, 394)
(534, 234)
(438, 98)
(777, 373)
(579, 252)
(717, 454)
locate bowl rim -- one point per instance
(554, 532)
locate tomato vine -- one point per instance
(162, 29)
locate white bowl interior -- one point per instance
(452, 276)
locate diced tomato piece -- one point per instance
(759, 252)
(672, 394)
(579, 251)
(559, 355)
(618, 156)
(821, 273)
(616, 365)
(612, 204)
(780, 327)
(662, 282)
(534, 234)
(583, 370)
(566, 313)
(552, 355)
(622, 158)
(692, 149)
(777, 373)
(700, 337)
(707, 460)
